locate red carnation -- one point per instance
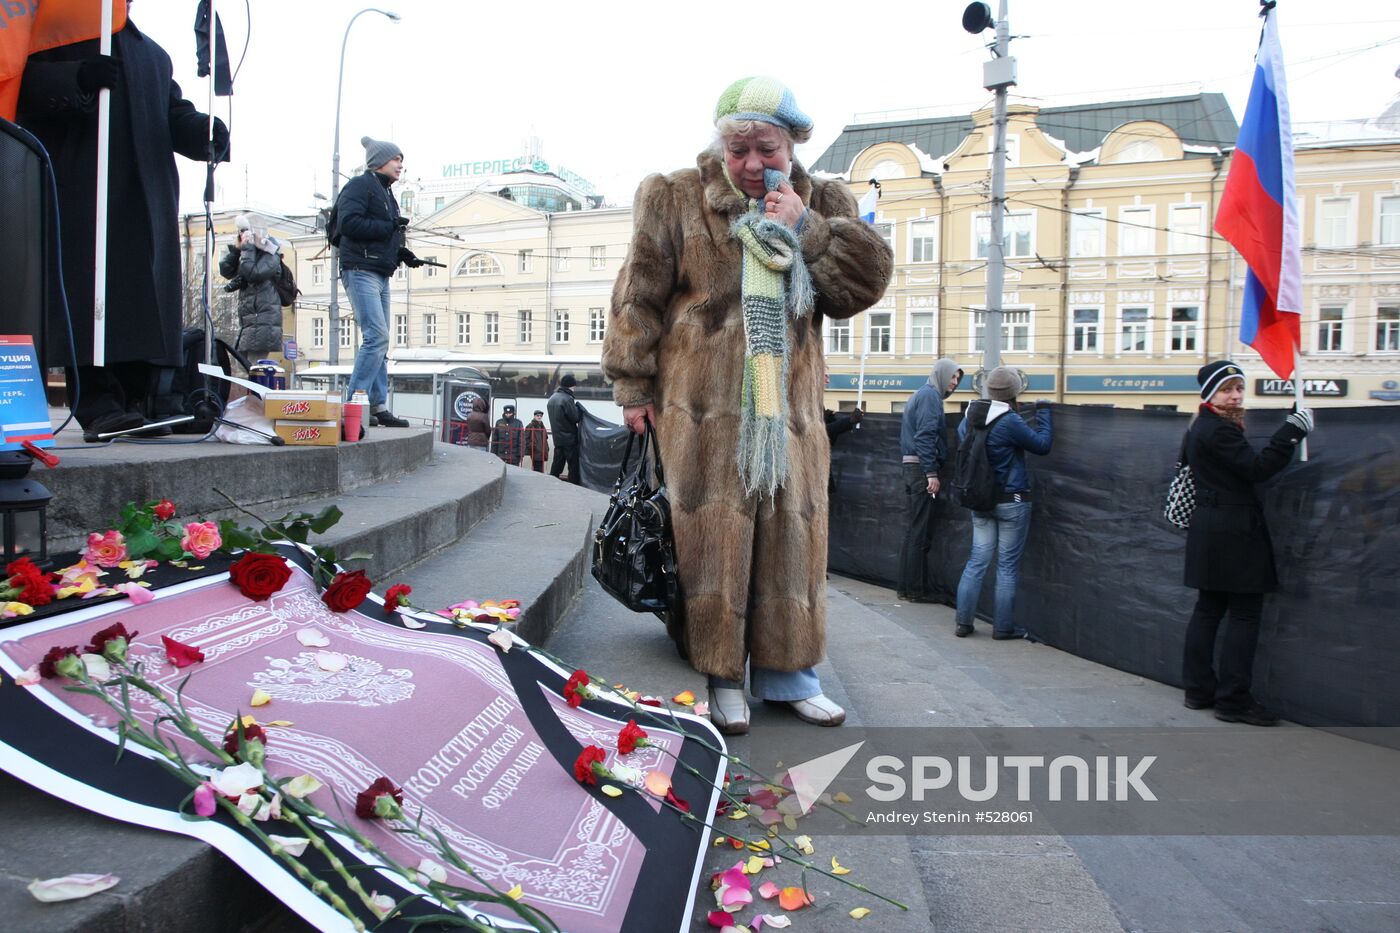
(576, 690)
(27, 583)
(250, 733)
(100, 642)
(396, 596)
(181, 655)
(49, 666)
(631, 736)
(368, 805)
(259, 575)
(164, 510)
(590, 758)
(347, 590)
(677, 802)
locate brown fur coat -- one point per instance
(752, 572)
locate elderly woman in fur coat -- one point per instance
(715, 338)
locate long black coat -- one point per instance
(149, 123)
(1228, 547)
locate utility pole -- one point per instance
(998, 75)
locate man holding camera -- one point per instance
(371, 248)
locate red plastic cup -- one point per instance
(353, 421)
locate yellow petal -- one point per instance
(790, 822)
(804, 843)
(684, 698)
(515, 892)
(836, 868)
(260, 698)
(249, 721)
(760, 846)
(611, 791)
(720, 840)
(754, 865)
(738, 814)
(860, 913)
(842, 797)
(279, 722)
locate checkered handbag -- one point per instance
(1181, 494)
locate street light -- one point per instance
(335, 182)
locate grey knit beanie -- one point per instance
(377, 151)
(1004, 384)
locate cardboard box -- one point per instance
(296, 405)
(308, 433)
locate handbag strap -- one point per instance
(656, 453)
(1181, 457)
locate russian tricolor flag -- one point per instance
(1259, 212)
(866, 207)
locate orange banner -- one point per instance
(28, 26)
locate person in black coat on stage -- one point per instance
(150, 122)
(1229, 554)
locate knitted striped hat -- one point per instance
(763, 99)
(1214, 375)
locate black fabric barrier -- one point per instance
(1101, 575)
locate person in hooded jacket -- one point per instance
(1229, 554)
(478, 424)
(923, 447)
(1001, 532)
(252, 266)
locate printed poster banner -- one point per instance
(24, 406)
(483, 743)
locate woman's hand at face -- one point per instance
(783, 205)
(637, 416)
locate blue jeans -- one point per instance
(1003, 533)
(768, 684)
(368, 293)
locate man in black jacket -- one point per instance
(508, 437)
(371, 248)
(565, 416)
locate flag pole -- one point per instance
(1298, 398)
(104, 144)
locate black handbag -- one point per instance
(634, 551)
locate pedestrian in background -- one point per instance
(838, 423)
(537, 442)
(1229, 554)
(252, 267)
(478, 424)
(923, 448)
(508, 437)
(565, 420)
(1001, 532)
(715, 337)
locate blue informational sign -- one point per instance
(289, 349)
(1132, 382)
(24, 406)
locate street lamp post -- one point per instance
(335, 183)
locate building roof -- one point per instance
(1202, 120)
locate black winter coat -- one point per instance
(508, 439)
(565, 415)
(366, 214)
(259, 307)
(150, 122)
(1228, 547)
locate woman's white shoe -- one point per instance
(818, 710)
(729, 710)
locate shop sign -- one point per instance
(1325, 388)
(1131, 382)
(1388, 392)
(910, 382)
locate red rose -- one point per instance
(576, 690)
(396, 596)
(583, 767)
(250, 733)
(366, 802)
(181, 655)
(258, 575)
(46, 666)
(98, 645)
(347, 590)
(630, 737)
(164, 510)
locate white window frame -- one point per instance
(1186, 238)
(1192, 330)
(429, 271)
(493, 328)
(525, 261)
(430, 330)
(561, 325)
(870, 315)
(347, 333)
(1341, 329)
(318, 332)
(1119, 332)
(561, 259)
(1010, 323)
(464, 328)
(1079, 228)
(836, 339)
(1387, 326)
(597, 257)
(1393, 238)
(597, 324)
(1325, 227)
(1132, 228)
(318, 273)
(885, 228)
(400, 273)
(923, 249)
(401, 330)
(439, 203)
(485, 263)
(1008, 234)
(1013, 150)
(1097, 330)
(525, 326)
(911, 344)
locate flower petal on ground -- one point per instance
(684, 698)
(836, 868)
(627, 774)
(776, 921)
(29, 676)
(720, 919)
(179, 654)
(610, 790)
(701, 709)
(860, 913)
(768, 890)
(301, 785)
(138, 593)
(793, 898)
(331, 661)
(313, 638)
(657, 783)
(410, 622)
(842, 797)
(515, 893)
(292, 845)
(70, 887)
(260, 697)
(754, 865)
(501, 639)
(804, 844)
(237, 780)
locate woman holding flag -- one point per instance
(1229, 554)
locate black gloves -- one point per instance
(400, 222)
(407, 258)
(856, 415)
(98, 72)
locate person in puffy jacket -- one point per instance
(252, 266)
(1229, 554)
(1003, 531)
(478, 424)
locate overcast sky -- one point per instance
(620, 89)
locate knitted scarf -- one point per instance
(775, 286)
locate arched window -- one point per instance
(478, 264)
(1141, 150)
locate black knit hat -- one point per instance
(568, 382)
(1214, 375)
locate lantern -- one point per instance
(24, 503)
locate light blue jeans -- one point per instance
(1003, 533)
(768, 684)
(368, 293)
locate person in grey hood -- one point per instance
(1001, 532)
(923, 447)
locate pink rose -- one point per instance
(201, 539)
(105, 550)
